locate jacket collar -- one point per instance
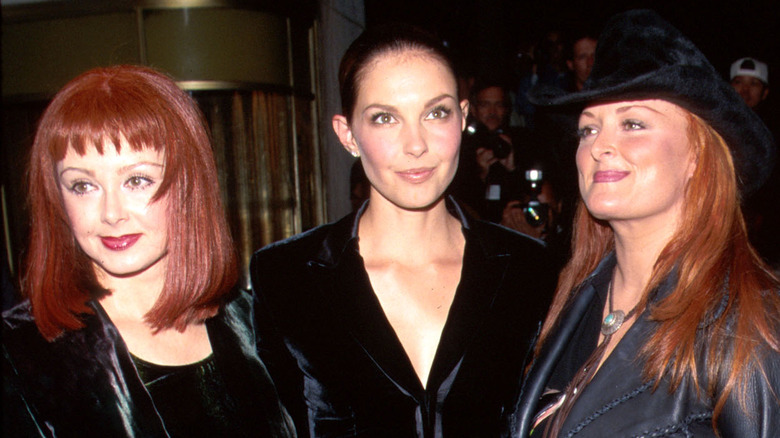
(625, 352)
(344, 234)
(347, 291)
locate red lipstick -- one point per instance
(607, 176)
(120, 243)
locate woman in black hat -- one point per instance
(665, 321)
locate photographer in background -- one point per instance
(535, 209)
(494, 156)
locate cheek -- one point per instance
(582, 158)
(668, 164)
(78, 216)
(377, 153)
(448, 138)
(156, 216)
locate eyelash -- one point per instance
(146, 181)
(627, 124)
(443, 109)
(77, 187)
(585, 131)
(376, 118)
(74, 187)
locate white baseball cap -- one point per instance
(750, 67)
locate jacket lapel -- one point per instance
(481, 278)
(233, 343)
(346, 291)
(369, 327)
(552, 350)
(352, 301)
(116, 371)
(612, 385)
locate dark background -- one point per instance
(485, 34)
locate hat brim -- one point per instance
(698, 91)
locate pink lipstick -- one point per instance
(120, 243)
(607, 176)
(416, 176)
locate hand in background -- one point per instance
(514, 218)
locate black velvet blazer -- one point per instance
(84, 383)
(341, 370)
(620, 403)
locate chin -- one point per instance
(419, 204)
(603, 211)
(127, 268)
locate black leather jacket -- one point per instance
(84, 383)
(620, 403)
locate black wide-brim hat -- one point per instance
(641, 56)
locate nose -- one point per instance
(113, 207)
(414, 140)
(603, 145)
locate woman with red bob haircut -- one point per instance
(132, 325)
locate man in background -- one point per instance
(750, 77)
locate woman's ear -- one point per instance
(344, 133)
(464, 111)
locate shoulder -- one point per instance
(323, 245)
(17, 317)
(753, 408)
(238, 309)
(499, 240)
(20, 334)
(306, 240)
(300, 247)
(22, 342)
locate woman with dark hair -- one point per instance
(131, 327)
(665, 321)
(406, 318)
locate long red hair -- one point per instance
(722, 281)
(150, 111)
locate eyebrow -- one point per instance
(391, 108)
(122, 169)
(626, 108)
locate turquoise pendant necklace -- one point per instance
(614, 319)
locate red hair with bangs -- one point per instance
(722, 282)
(149, 110)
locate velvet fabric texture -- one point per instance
(641, 56)
(341, 370)
(84, 383)
(619, 402)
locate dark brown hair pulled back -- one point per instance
(376, 41)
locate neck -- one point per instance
(131, 297)
(637, 248)
(387, 231)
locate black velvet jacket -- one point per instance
(84, 383)
(341, 370)
(620, 403)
